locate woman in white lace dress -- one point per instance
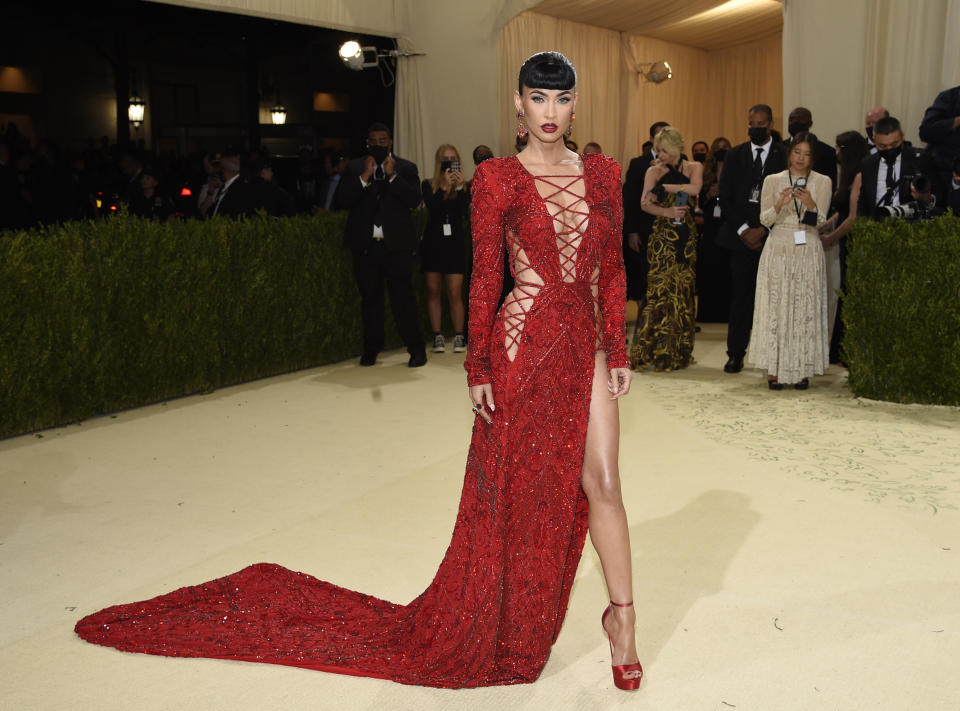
(789, 338)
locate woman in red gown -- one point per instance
(544, 372)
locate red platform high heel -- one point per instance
(625, 676)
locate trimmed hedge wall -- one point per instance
(99, 317)
(902, 311)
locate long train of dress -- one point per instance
(497, 602)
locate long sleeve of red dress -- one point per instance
(499, 597)
(612, 287)
(486, 282)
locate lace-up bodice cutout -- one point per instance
(563, 198)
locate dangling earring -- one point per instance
(569, 131)
(521, 129)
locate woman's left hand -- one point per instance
(619, 382)
(804, 196)
(456, 177)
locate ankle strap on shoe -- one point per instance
(622, 604)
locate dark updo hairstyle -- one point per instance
(547, 70)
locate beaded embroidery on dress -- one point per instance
(500, 595)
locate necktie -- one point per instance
(217, 198)
(758, 165)
(378, 174)
(891, 178)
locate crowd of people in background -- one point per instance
(712, 238)
(43, 185)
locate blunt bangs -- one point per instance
(547, 70)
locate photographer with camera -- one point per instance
(889, 176)
(443, 250)
(380, 189)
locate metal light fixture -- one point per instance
(358, 58)
(278, 114)
(656, 72)
(135, 107)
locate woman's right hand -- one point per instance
(786, 195)
(677, 213)
(481, 398)
(446, 181)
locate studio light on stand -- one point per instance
(655, 72)
(135, 108)
(357, 57)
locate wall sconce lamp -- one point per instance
(135, 107)
(655, 72)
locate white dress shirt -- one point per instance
(882, 180)
(765, 153)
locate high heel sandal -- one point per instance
(620, 671)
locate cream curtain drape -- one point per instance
(596, 54)
(708, 96)
(843, 58)
(710, 92)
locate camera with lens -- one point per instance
(923, 207)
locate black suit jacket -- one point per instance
(736, 184)
(238, 200)
(824, 162)
(912, 162)
(390, 202)
(635, 219)
(943, 140)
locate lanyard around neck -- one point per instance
(795, 205)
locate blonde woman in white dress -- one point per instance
(790, 339)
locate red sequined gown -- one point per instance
(500, 595)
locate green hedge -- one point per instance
(98, 317)
(902, 311)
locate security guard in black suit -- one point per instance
(380, 190)
(744, 170)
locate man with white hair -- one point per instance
(234, 197)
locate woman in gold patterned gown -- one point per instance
(665, 328)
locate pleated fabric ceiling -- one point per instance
(704, 24)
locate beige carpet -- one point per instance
(792, 550)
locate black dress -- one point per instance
(444, 246)
(713, 264)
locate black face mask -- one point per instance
(700, 157)
(795, 128)
(482, 157)
(379, 153)
(890, 154)
(870, 132)
(758, 135)
(720, 154)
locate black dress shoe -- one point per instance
(368, 359)
(775, 385)
(734, 364)
(416, 360)
(802, 385)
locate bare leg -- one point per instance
(608, 518)
(455, 299)
(433, 299)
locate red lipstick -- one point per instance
(548, 127)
